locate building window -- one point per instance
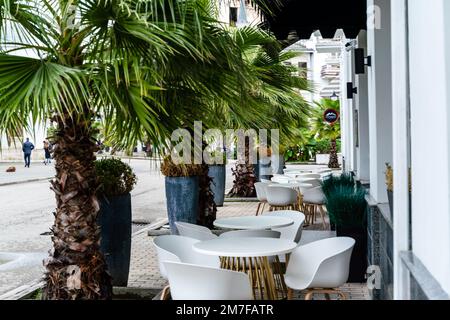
(233, 16)
(303, 69)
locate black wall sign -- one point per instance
(331, 116)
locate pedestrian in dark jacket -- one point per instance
(27, 148)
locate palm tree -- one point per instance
(325, 130)
(274, 98)
(117, 59)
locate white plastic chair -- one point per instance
(309, 175)
(194, 231)
(192, 282)
(281, 197)
(280, 179)
(294, 231)
(313, 201)
(261, 195)
(320, 267)
(179, 249)
(266, 181)
(251, 234)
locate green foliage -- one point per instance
(170, 169)
(345, 201)
(321, 129)
(307, 151)
(116, 177)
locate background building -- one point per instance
(320, 60)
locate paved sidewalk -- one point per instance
(144, 270)
(36, 172)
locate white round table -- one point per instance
(245, 247)
(253, 222)
(251, 255)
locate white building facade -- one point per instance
(321, 58)
(401, 115)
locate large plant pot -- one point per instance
(182, 200)
(265, 169)
(278, 163)
(218, 173)
(390, 195)
(256, 171)
(114, 220)
(358, 263)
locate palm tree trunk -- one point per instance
(76, 268)
(334, 161)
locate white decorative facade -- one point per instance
(321, 58)
(401, 115)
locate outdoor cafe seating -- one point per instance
(256, 257)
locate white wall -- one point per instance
(380, 100)
(347, 111)
(362, 105)
(429, 43)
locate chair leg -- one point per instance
(309, 295)
(326, 292)
(165, 293)
(262, 210)
(342, 295)
(257, 209)
(290, 294)
(322, 215)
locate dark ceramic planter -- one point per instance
(390, 195)
(358, 263)
(182, 200)
(114, 220)
(278, 163)
(217, 173)
(256, 172)
(265, 169)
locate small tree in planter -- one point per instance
(182, 191)
(116, 180)
(390, 187)
(346, 205)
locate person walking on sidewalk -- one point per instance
(27, 148)
(48, 157)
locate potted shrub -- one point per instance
(116, 180)
(217, 172)
(346, 205)
(182, 191)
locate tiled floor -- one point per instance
(144, 271)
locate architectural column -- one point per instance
(362, 109)
(346, 111)
(380, 96)
(429, 51)
(401, 143)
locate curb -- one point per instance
(24, 181)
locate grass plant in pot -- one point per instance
(116, 180)
(346, 205)
(182, 191)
